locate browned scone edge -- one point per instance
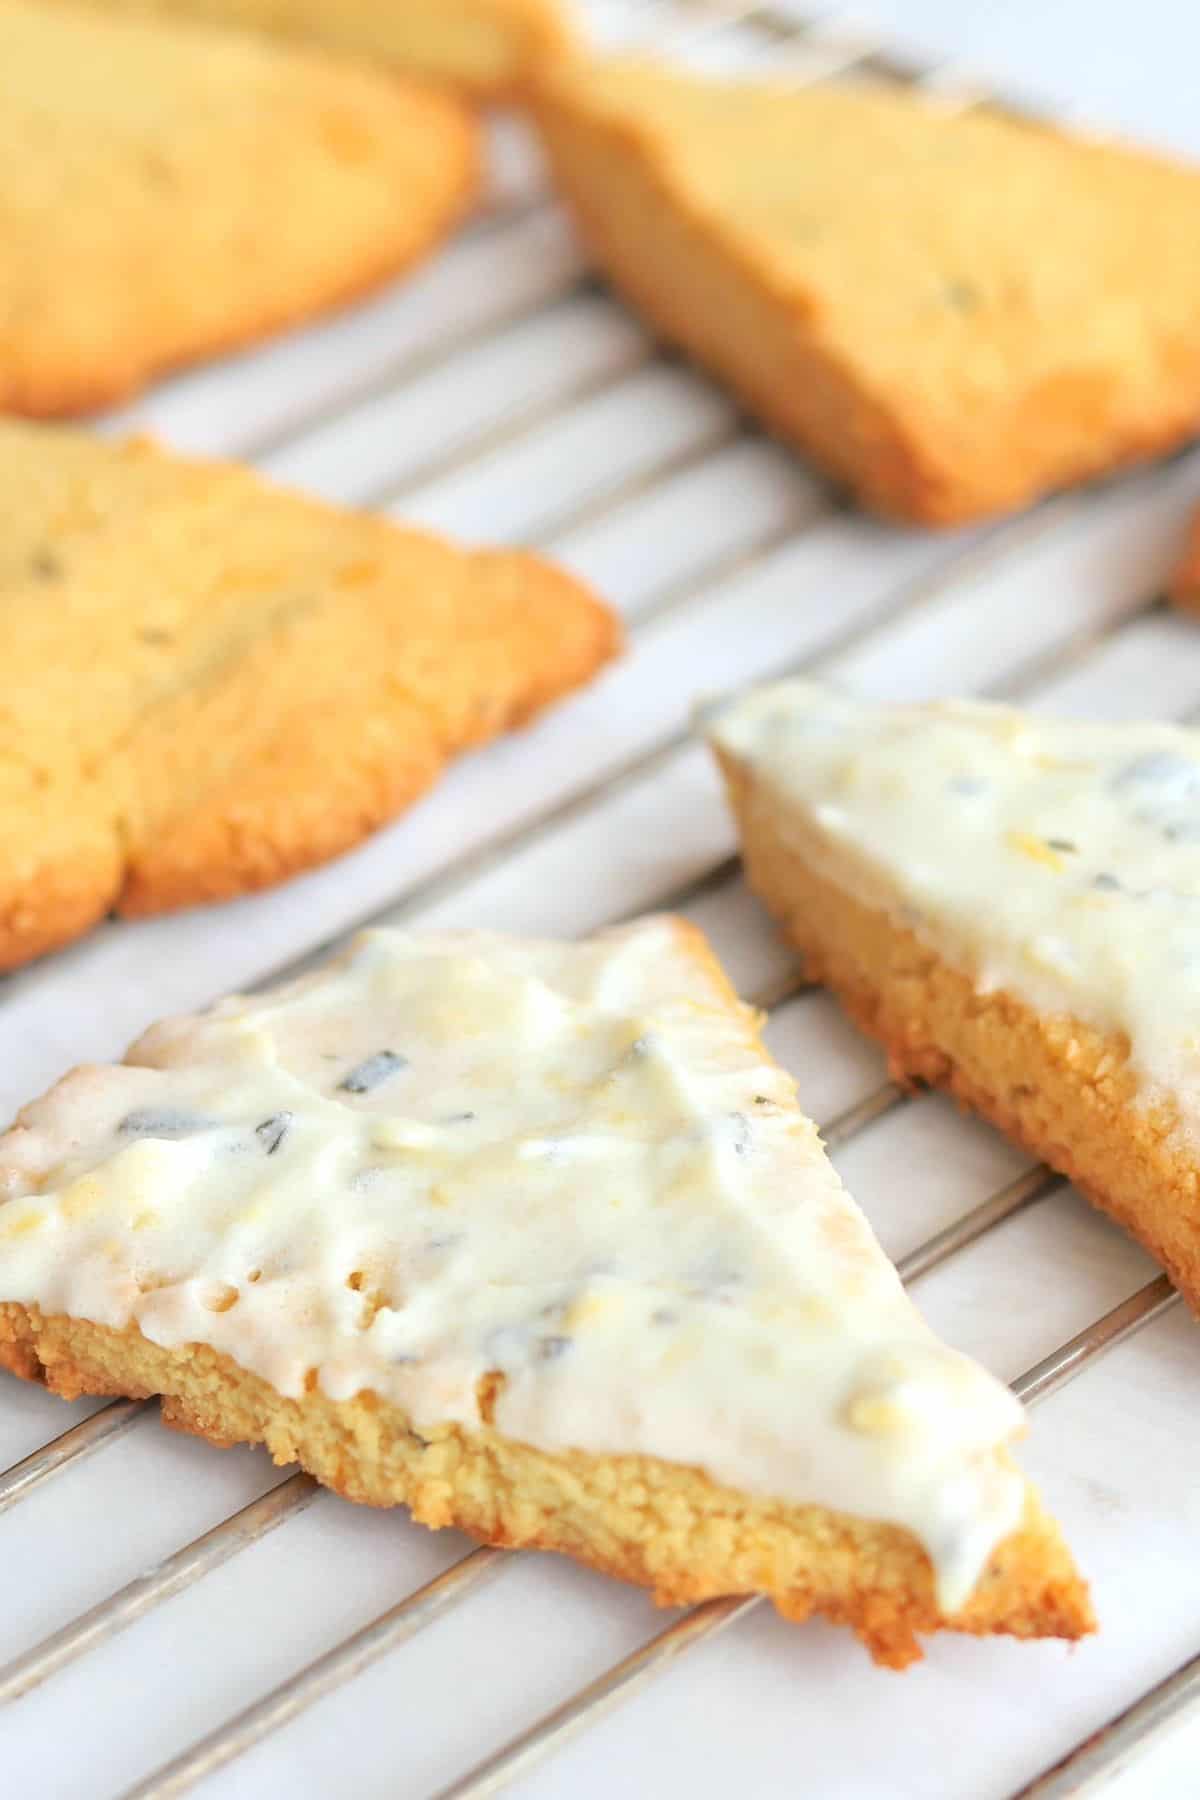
(662, 1526)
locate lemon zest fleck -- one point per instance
(1036, 849)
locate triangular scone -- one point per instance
(165, 195)
(533, 1238)
(485, 46)
(1012, 905)
(210, 684)
(952, 312)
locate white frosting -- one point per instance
(454, 1154)
(1059, 861)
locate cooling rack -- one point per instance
(172, 1616)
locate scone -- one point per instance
(165, 195)
(1185, 586)
(532, 1238)
(1012, 906)
(484, 46)
(210, 684)
(950, 312)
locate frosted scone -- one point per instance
(167, 194)
(211, 684)
(1012, 905)
(533, 1238)
(485, 46)
(950, 312)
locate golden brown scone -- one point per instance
(950, 312)
(484, 46)
(211, 684)
(529, 1277)
(167, 195)
(1185, 585)
(1059, 1000)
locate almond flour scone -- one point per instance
(210, 684)
(950, 312)
(533, 1238)
(484, 46)
(1012, 906)
(165, 195)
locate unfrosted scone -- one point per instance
(210, 684)
(165, 195)
(951, 312)
(485, 46)
(1012, 905)
(533, 1238)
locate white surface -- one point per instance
(765, 1710)
(1120, 67)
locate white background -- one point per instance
(552, 422)
(1123, 64)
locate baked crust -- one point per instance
(970, 384)
(214, 684)
(663, 1526)
(484, 47)
(1062, 1090)
(245, 187)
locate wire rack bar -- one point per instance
(887, 1098)
(519, 422)
(1054, 1371)
(552, 277)
(103, 1427)
(1020, 1193)
(1093, 1763)
(592, 1703)
(136, 1598)
(330, 1671)
(647, 482)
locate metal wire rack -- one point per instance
(505, 395)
